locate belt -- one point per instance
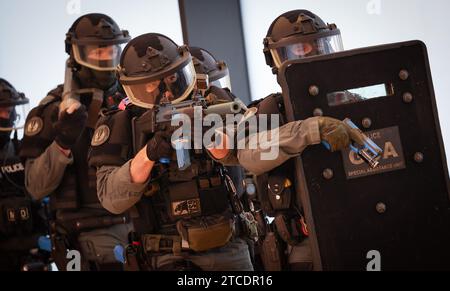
(175, 244)
(90, 223)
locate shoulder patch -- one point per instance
(101, 135)
(34, 126)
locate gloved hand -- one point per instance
(333, 133)
(159, 146)
(70, 126)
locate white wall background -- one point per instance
(362, 23)
(32, 33)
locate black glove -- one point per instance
(333, 134)
(159, 146)
(69, 127)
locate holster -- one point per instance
(64, 236)
(132, 261)
(61, 242)
(271, 253)
(274, 190)
(135, 259)
(289, 229)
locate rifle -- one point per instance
(160, 119)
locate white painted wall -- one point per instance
(362, 23)
(32, 33)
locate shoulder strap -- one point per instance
(52, 96)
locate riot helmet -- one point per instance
(154, 69)
(10, 98)
(94, 41)
(206, 64)
(299, 34)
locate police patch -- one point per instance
(34, 126)
(101, 135)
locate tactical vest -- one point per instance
(18, 214)
(276, 189)
(76, 196)
(176, 201)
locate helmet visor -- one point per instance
(223, 82)
(14, 115)
(98, 57)
(307, 48)
(173, 87)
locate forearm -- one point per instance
(263, 152)
(120, 188)
(141, 167)
(44, 174)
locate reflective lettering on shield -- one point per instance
(392, 158)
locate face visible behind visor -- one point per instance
(306, 48)
(299, 34)
(13, 107)
(95, 41)
(154, 70)
(98, 57)
(206, 64)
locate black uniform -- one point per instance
(51, 132)
(22, 219)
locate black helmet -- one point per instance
(155, 69)
(94, 41)
(205, 63)
(299, 34)
(9, 95)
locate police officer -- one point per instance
(21, 224)
(184, 217)
(217, 77)
(293, 35)
(57, 138)
(206, 64)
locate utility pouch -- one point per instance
(206, 233)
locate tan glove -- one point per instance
(333, 134)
